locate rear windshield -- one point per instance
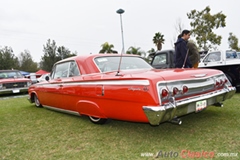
(108, 64)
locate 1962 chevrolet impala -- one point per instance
(108, 86)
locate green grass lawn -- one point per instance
(32, 133)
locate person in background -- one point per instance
(181, 59)
(193, 54)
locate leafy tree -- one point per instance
(107, 48)
(149, 55)
(8, 59)
(203, 23)
(135, 50)
(63, 52)
(233, 42)
(152, 50)
(53, 54)
(26, 63)
(158, 40)
(50, 55)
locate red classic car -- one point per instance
(12, 81)
(111, 86)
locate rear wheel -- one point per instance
(96, 120)
(36, 101)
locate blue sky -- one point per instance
(83, 25)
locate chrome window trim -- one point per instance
(62, 110)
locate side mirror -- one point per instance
(47, 78)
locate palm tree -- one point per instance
(151, 53)
(158, 40)
(135, 50)
(107, 48)
(152, 50)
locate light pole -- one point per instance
(121, 11)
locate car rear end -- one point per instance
(189, 91)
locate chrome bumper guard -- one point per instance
(158, 114)
(11, 90)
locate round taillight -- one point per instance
(221, 82)
(217, 83)
(225, 80)
(175, 90)
(185, 89)
(164, 93)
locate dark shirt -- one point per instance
(180, 54)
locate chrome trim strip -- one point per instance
(112, 82)
(10, 90)
(62, 110)
(117, 82)
(199, 75)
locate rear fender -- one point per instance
(90, 108)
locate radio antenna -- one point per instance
(121, 11)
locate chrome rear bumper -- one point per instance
(158, 114)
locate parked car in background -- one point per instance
(163, 59)
(238, 55)
(33, 78)
(111, 86)
(42, 78)
(12, 81)
(226, 61)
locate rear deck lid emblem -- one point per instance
(199, 75)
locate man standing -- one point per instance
(181, 50)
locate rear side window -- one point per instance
(213, 57)
(65, 69)
(231, 54)
(160, 59)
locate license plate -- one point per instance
(16, 91)
(200, 105)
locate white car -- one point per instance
(42, 78)
(226, 61)
(33, 78)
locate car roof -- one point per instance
(92, 56)
(166, 50)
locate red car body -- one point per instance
(111, 86)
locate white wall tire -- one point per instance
(96, 120)
(36, 101)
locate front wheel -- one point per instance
(36, 101)
(97, 120)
